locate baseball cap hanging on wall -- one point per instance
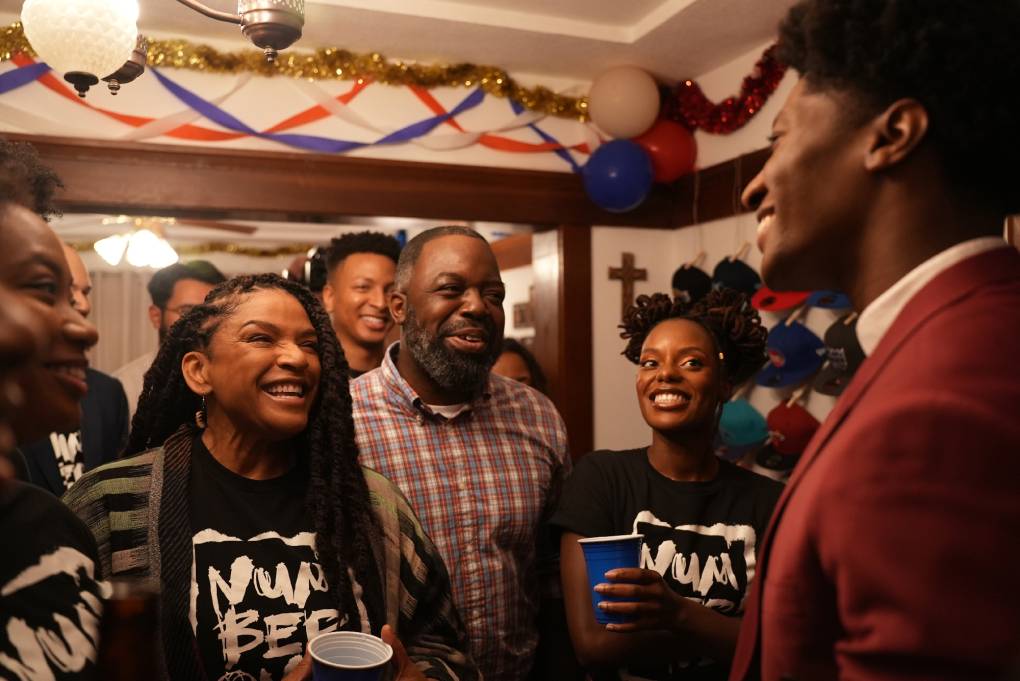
(795, 353)
(767, 300)
(791, 428)
(833, 300)
(844, 355)
(742, 428)
(734, 273)
(690, 282)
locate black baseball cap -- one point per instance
(691, 283)
(844, 355)
(737, 275)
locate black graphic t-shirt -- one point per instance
(70, 456)
(700, 536)
(258, 592)
(50, 599)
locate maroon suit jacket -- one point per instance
(894, 552)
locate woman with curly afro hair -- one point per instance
(701, 516)
(246, 504)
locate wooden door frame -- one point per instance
(186, 181)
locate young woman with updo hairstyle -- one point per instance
(246, 504)
(700, 515)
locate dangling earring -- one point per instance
(200, 415)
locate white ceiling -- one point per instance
(571, 38)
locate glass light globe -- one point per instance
(163, 255)
(141, 247)
(111, 249)
(89, 37)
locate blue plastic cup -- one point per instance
(602, 554)
(349, 656)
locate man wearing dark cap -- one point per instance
(174, 291)
(893, 551)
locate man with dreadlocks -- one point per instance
(701, 516)
(893, 550)
(246, 503)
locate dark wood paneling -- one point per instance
(165, 179)
(561, 259)
(718, 189)
(513, 251)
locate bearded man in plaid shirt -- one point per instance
(480, 457)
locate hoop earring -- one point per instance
(200, 415)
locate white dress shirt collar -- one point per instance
(877, 317)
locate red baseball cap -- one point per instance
(791, 427)
(773, 301)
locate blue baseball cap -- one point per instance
(833, 300)
(795, 353)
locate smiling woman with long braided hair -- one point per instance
(700, 515)
(245, 501)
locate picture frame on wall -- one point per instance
(523, 315)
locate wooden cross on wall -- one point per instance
(627, 274)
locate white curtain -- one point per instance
(120, 311)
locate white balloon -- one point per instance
(624, 101)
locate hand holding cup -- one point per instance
(641, 599)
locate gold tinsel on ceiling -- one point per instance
(332, 63)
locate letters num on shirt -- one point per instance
(480, 483)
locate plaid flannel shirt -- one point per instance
(481, 483)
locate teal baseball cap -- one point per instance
(741, 429)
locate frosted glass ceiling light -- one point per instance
(162, 255)
(111, 249)
(141, 246)
(83, 39)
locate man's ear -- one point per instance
(327, 298)
(155, 316)
(398, 306)
(195, 367)
(896, 133)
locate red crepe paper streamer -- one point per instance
(689, 106)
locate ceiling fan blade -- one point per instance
(217, 224)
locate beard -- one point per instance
(453, 371)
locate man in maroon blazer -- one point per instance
(894, 551)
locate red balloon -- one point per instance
(672, 149)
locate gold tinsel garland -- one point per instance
(336, 64)
(221, 247)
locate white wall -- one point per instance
(518, 282)
(617, 420)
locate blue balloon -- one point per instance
(618, 176)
